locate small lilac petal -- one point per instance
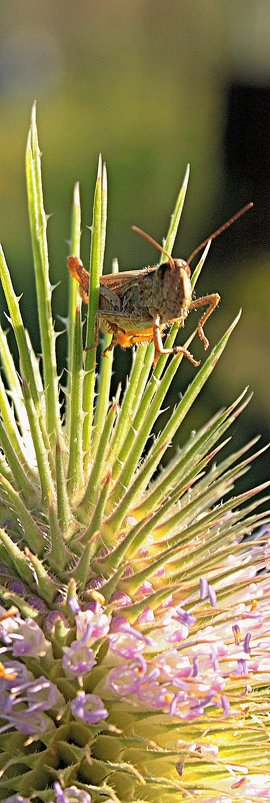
(78, 659)
(146, 617)
(212, 596)
(120, 599)
(154, 694)
(236, 633)
(225, 704)
(37, 603)
(28, 722)
(70, 795)
(42, 694)
(203, 588)
(146, 588)
(126, 640)
(247, 643)
(51, 620)
(124, 680)
(214, 661)
(18, 587)
(89, 708)
(73, 604)
(183, 616)
(195, 667)
(93, 621)
(22, 675)
(167, 602)
(242, 667)
(116, 623)
(160, 572)
(96, 583)
(29, 640)
(8, 625)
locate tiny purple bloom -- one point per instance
(95, 622)
(70, 795)
(89, 708)
(78, 659)
(29, 640)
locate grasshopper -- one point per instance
(136, 306)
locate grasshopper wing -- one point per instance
(120, 282)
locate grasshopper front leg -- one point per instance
(211, 301)
(159, 348)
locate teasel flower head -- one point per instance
(135, 617)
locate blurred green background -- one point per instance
(152, 85)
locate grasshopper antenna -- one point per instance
(220, 230)
(153, 242)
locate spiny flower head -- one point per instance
(134, 617)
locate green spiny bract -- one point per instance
(134, 618)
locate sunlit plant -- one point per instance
(134, 601)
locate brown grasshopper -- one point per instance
(136, 305)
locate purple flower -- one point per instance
(70, 795)
(29, 640)
(42, 695)
(126, 640)
(120, 599)
(78, 659)
(207, 591)
(13, 673)
(89, 708)
(146, 617)
(23, 698)
(93, 622)
(9, 622)
(27, 722)
(124, 679)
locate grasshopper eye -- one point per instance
(181, 263)
(187, 269)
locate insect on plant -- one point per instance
(136, 306)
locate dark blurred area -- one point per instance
(152, 86)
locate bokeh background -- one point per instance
(152, 85)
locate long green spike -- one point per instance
(45, 477)
(63, 507)
(74, 299)
(132, 397)
(15, 464)
(18, 558)
(38, 224)
(33, 536)
(93, 486)
(13, 383)
(75, 478)
(45, 585)
(90, 358)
